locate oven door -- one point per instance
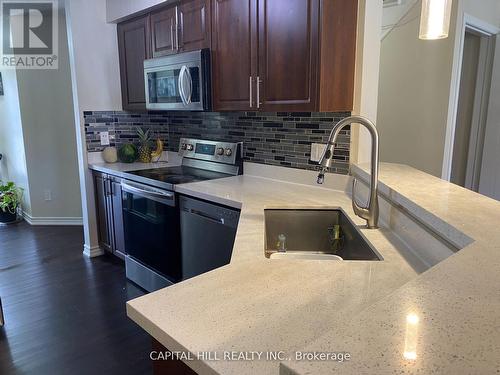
(178, 82)
(151, 228)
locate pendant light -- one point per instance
(435, 19)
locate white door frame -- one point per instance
(468, 22)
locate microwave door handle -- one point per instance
(190, 85)
(181, 85)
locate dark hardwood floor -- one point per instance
(64, 313)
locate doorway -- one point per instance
(472, 111)
(475, 82)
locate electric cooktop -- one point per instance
(179, 175)
(201, 160)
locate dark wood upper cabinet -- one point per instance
(134, 46)
(284, 55)
(194, 23)
(164, 32)
(181, 28)
(267, 55)
(234, 54)
(339, 20)
(288, 55)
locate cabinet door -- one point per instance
(164, 32)
(134, 47)
(117, 218)
(288, 54)
(101, 196)
(234, 54)
(194, 25)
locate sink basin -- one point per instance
(315, 234)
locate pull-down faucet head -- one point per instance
(371, 212)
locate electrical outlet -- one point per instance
(317, 150)
(47, 195)
(104, 138)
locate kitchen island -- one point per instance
(257, 305)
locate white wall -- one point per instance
(49, 137)
(13, 165)
(95, 75)
(417, 79)
(118, 10)
(414, 94)
(486, 10)
(367, 75)
(392, 15)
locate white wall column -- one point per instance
(367, 75)
(95, 77)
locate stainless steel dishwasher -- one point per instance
(207, 235)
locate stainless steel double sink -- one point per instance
(315, 234)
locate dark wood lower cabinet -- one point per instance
(169, 367)
(108, 196)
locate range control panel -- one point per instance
(221, 152)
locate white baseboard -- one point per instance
(92, 251)
(52, 220)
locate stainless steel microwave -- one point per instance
(179, 82)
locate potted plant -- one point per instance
(10, 201)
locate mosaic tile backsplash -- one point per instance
(281, 138)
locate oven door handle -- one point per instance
(145, 192)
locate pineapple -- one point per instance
(144, 146)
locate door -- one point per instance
(134, 47)
(118, 234)
(165, 38)
(468, 83)
(490, 172)
(101, 190)
(288, 55)
(234, 54)
(194, 25)
(472, 113)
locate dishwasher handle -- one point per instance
(218, 220)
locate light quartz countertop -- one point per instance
(456, 303)
(118, 169)
(256, 304)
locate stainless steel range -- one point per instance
(160, 250)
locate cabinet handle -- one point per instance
(107, 187)
(177, 36)
(251, 103)
(258, 91)
(172, 35)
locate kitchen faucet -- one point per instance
(371, 211)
